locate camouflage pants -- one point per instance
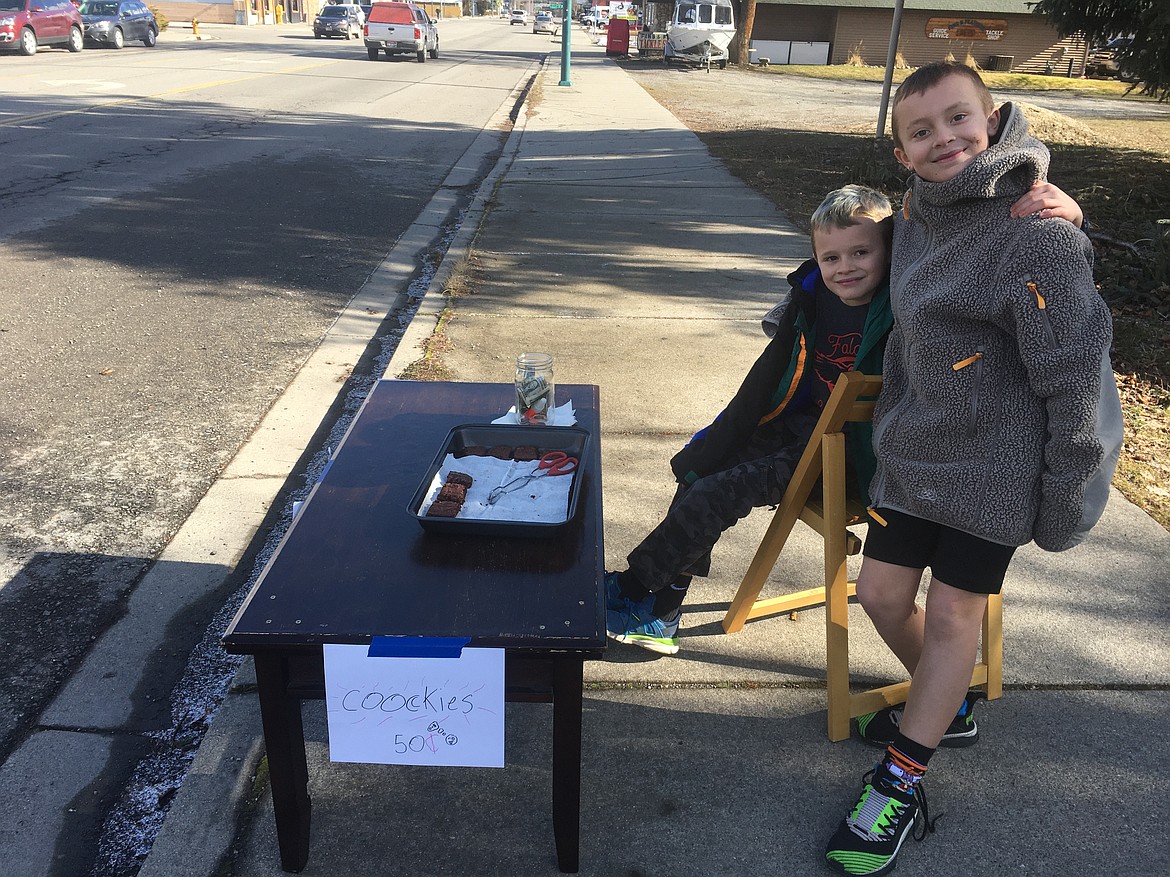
(757, 475)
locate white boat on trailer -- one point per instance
(700, 32)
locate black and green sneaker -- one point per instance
(881, 728)
(868, 840)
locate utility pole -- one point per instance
(887, 82)
(566, 41)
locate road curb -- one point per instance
(430, 310)
(212, 808)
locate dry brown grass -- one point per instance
(1119, 171)
(431, 366)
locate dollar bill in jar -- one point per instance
(534, 387)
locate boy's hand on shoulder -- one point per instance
(1048, 202)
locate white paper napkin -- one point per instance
(544, 499)
(562, 415)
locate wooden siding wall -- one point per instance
(440, 11)
(1029, 40)
(812, 24)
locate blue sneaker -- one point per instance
(614, 598)
(638, 626)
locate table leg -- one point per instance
(284, 741)
(568, 674)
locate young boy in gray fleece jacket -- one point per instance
(987, 431)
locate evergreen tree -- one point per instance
(1148, 21)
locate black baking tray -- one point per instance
(572, 440)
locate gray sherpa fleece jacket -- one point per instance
(986, 420)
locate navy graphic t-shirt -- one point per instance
(838, 338)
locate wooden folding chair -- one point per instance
(831, 516)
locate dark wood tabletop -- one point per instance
(356, 564)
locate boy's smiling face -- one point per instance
(943, 128)
(854, 260)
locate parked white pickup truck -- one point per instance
(400, 28)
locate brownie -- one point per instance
(500, 452)
(460, 478)
(471, 451)
(452, 493)
(441, 508)
(526, 454)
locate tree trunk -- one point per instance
(744, 33)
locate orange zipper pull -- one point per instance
(1040, 303)
(873, 514)
(963, 363)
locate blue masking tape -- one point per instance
(417, 646)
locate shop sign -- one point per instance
(990, 29)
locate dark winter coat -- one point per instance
(779, 381)
(987, 416)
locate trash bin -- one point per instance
(617, 41)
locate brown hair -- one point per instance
(930, 75)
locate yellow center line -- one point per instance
(54, 114)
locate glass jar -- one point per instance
(534, 387)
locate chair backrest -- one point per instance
(851, 401)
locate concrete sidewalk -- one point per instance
(615, 242)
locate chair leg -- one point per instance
(758, 570)
(837, 663)
(836, 587)
(992, 648)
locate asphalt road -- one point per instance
(179, 226)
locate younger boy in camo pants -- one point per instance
(835, 319)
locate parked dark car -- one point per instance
(338, 21)
(116, 22)
(28, 24)
(1102, 60)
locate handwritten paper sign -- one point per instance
(443, 711)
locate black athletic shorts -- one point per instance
(954, 557)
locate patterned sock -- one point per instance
(904, 765)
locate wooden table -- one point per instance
(355, 564)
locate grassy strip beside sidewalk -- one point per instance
(1006, 81)
(1119, 171)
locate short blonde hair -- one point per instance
(848, 206)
